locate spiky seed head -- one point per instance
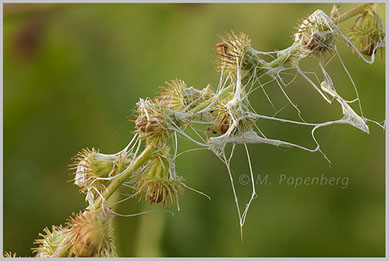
(176, 96)
(315, 35)
(91, 235)
(172, 96)
(152, 121)
(149, 124)
(235, 52)
(50, 241)
(223, 49)
(157, 181)
(159, 190)
(92, 167)
(91, 163)
(367, 33)
(224, 114)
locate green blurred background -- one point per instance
(73, 73)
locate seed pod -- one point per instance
(157, 194)
(367, 33)
(234, 52)
(151, 124)
(173, 96)
(90, 234)
(223, 49)
(315, 35)
(157, 181)
(224, 124)
(50, 241)
(91, 166)
(152, 121)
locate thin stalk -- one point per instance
(283, 57)
(206, 103)
(360, 9)
(116, 182)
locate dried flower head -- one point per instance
(367, 33)
(235, 52)
(92, 167)
(158, 181)
(50, 241)
(152, 121)
(178, 97)
(315, 35)
(90, 235)
(172, 96)
(226, 114)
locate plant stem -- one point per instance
(284, 57)
(360, 9)
(206, 103)
(116, 182)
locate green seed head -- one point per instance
(50, 241)
(172, 96)
(93, 167)
(367, 33)
(235, 52)
(157, 180)
(315, 36)
(152, 121)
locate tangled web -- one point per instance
(244, 70)
(212, 118)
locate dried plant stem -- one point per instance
(116, 182)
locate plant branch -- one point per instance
(116, 182)
(360, 9)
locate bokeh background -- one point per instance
(72, 75)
